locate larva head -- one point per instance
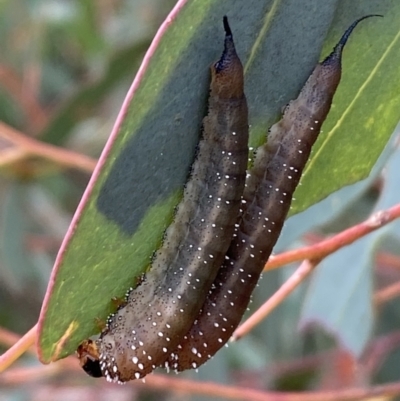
(227, 72)
(89, 358)
(320, 87)
(336, 56)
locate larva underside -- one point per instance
(157, 314)
(269, 188)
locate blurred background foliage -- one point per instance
(64, 72)
(65, 68)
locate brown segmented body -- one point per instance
(157, 314)
(269, 188)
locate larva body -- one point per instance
(158, 313)
(269, 189)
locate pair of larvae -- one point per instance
(202, 277)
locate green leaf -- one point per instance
(139, 179)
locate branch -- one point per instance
(27, 146)
(314, 253)
(21, 346)
(284, 291)
(330, 245)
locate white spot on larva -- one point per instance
(140, 366)
(133, 347)
(194, 350)
(165, 349)
(216, 324)
(141, 343)
(135, 360)
(137, 375)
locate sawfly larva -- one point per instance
(267, 197)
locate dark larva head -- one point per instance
(320, 87)
(89, 358)
(227, 72)
(336, 55)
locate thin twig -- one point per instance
(18, 376)
(378, 350)
(386, 294)
(388, 259)
(330, 245)
(9, 338)
(315, 252)
(244, 393)
(32, 147)
(290, 285)
(161, 382)
(21, 346)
